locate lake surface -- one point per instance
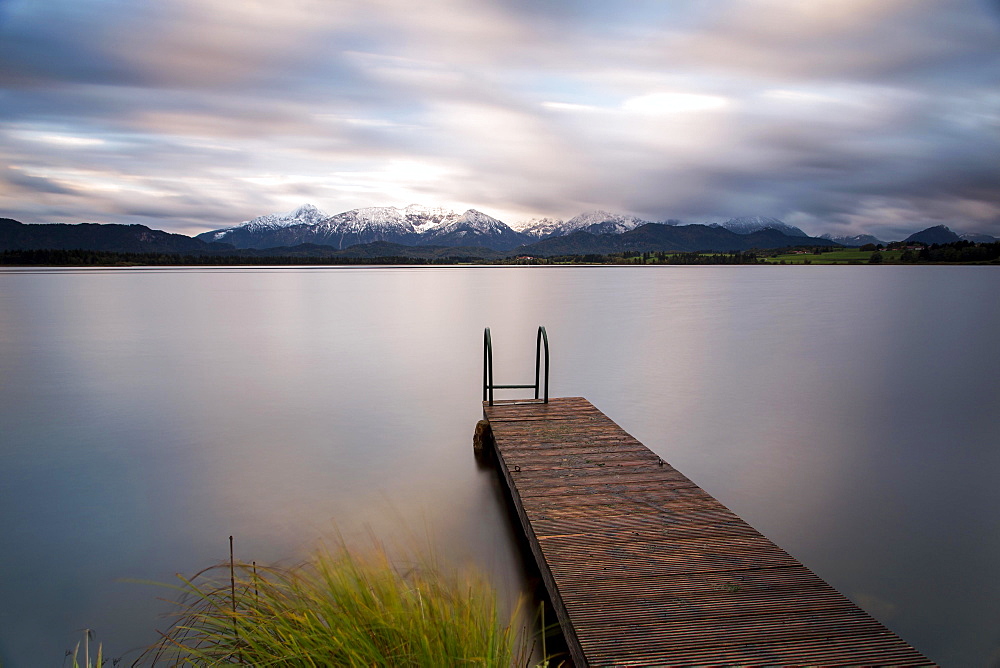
(848, 413)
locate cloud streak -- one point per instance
(841, 117)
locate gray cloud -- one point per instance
(849, 115)
(26, 185)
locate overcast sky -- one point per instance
(840, 116)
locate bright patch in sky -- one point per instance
(673, 103)
(68, 141)
(567, 106)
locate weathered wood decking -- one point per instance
(645, 568)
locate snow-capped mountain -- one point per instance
(748, 224)
(243, 235)
(380, 223)
(307, 214)
(473, 228)
(601, 222)
(539, 228)
(413, 219)
(412, 225)
(417, 225)
(434, 226)
(978, 238)
(595, 222)
(856, 241)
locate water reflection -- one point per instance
(847, 413)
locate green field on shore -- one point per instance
(846, 256)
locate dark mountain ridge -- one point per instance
(18, 236)
(939, 234)
(656, 237)
(15, 235)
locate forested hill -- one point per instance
(671, 238)
(15, 235)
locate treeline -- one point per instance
(93, 258)
(636, 257)
(958, 251)
(748, 257)
(89, 258)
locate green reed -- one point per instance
(88, 635)
(339, 609)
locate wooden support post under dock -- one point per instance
(643, 567)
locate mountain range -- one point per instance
(410, 226)
(417, 231)
(420, 226)
(939, 234)
(942, 234)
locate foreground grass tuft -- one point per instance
(88, 635)
(337, 609)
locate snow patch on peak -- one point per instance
(481, 221)
(305, 214)
(471, 220)
(603, 222)
(978, 238)
(855, 241)
(751, 224)
(430, 211)
(591, 217)
(426, 218)
(413, 219)
(539, 228)
(306, 210)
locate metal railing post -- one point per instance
(487, 366)
(542, 339)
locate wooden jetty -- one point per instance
(645, 568)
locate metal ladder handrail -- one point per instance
(542, 339)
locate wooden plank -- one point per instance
(644, 567)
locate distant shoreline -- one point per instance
(949, 254)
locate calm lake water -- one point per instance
(848, 413)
